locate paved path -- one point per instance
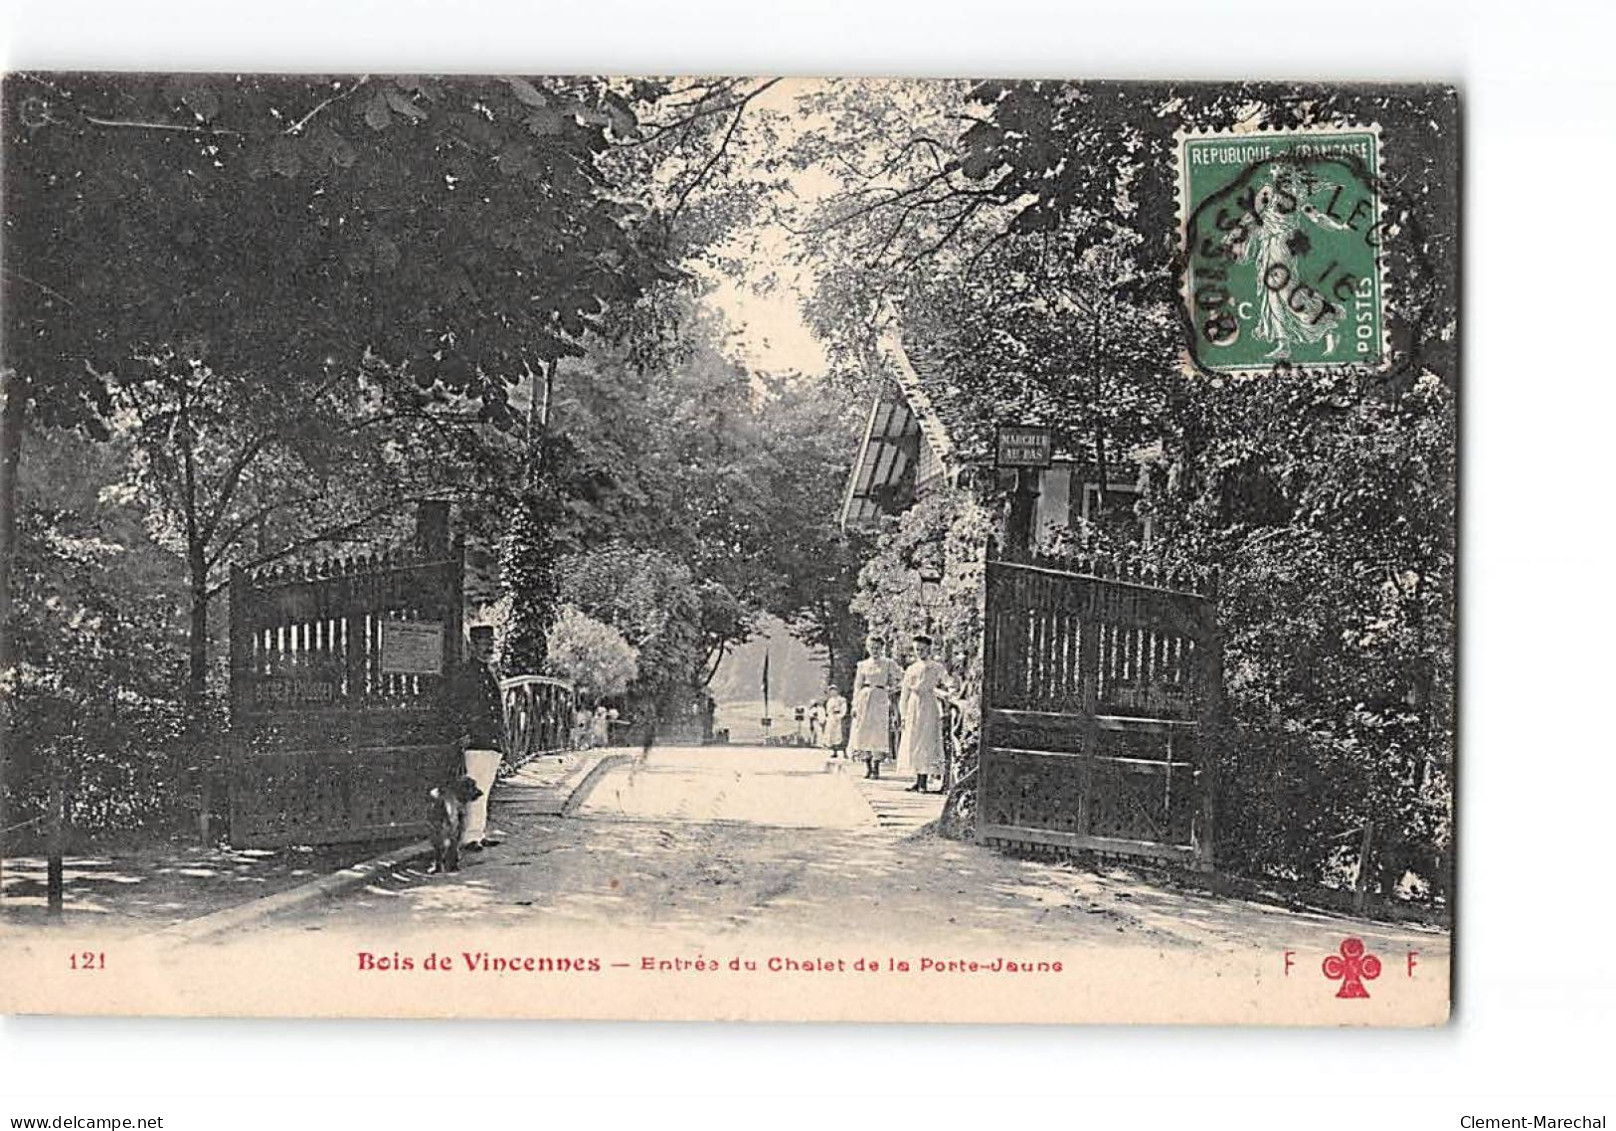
(554, 785)
(896, 809)
(783, 787)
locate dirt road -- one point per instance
(752, 882)
(714, 843)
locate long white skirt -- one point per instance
(872, 715)
(920, 750)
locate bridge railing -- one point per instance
(539, 713)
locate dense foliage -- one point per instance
(297, 306)
(287, 309)
(947, 531)
(594, 656)
(698, 495)
(1031, 258)
(96, 686)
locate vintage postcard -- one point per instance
(728, 548)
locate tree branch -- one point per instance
(959, 222)
(663, 129)
(329, 534)
(970, 264)
(723, 144)
(896, 196)
(233, 474)
(117, 123)
(231, 480)
(228, 539)
(52, 291)
(936, 147)
(297, 126)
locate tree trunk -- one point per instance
(1360, 886)
(56, 847)
(528, 553)
(11, 410)
(538, 427)
(196, 674)
(711, 665)
(197, 750)
(1101, 476)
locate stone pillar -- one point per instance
(1023, 511)
(432, 528)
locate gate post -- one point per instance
(1088, 674)
(432, 528)
(454, 627)
(990, 675)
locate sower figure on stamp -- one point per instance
(475, 699)
(920, 749)
(1276, 244)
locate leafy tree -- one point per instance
(247, 246)
(656, 605)
(594, 656)
(279, 206)
(92, 688)
(667, 450)
(234, 470)
(807, 442)
(1032, 256)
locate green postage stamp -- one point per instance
(1281, 249)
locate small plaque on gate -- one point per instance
(283, 692)
(412, 647)
(1024, 446)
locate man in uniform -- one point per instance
(479, 711)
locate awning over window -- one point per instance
(883, 477)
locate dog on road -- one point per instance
(449, 803)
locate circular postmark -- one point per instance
(1281, 254)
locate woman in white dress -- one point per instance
(874, 684)
(920, 749)
(835, 722)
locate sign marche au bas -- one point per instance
(1024, 445)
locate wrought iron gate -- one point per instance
(336, 677)
(1099, 692)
